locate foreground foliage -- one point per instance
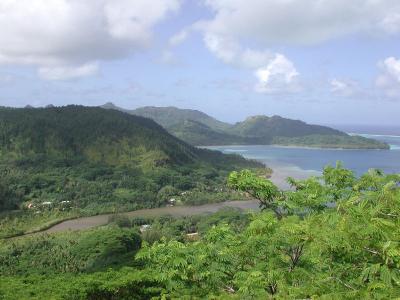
(98, 263)
(334, 237)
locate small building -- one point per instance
(144, 228)
(192, 236)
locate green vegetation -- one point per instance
(170, 116)
(263, 126)
(199, 129)
(58, 163)
(330, 141)
(300, 247)
(199, 134)
(331, 237)
(69, 252)
(98, 263)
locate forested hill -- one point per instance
(278, 126)
(97, 160)
(197, 128)
(172, 116)
(88, 133)
(287, 132)
(93, 134)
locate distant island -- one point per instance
(200, 129)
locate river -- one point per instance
(177, 211)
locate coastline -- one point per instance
(213, 147)
(326, 148)
(280, 173)
(376, 135)
(302, 162)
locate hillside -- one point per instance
(263, 126)
(199, 134)
(192, 126)
(74, 160)
(199, 129)
(94, 135)
(89, 134)
(286, 132)
(171, 116)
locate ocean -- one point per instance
(304, 162)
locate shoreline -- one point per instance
(326, 148)
(296, 147)
(373, 134)
(281, 172)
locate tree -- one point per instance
(258, 187)
(166, 192)
(8, 199)
(302, 245)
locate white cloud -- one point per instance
(389, 78)
(68, 72)
(69, 36)
(268, 23)
(178, 38)
(168, 56)
(251, 58)
(345, 88)
(300, 21)
(279, 75)
(274, 72)
(231, 52)
(226, 49)
(391, 23)
(337, 85)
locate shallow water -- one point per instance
(303, 162)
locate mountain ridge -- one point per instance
(204, 130)
(170, 115)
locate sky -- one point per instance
(325, 61)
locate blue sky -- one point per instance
(328, 61)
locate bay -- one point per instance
(301, 163)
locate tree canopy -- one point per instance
(336, 236)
